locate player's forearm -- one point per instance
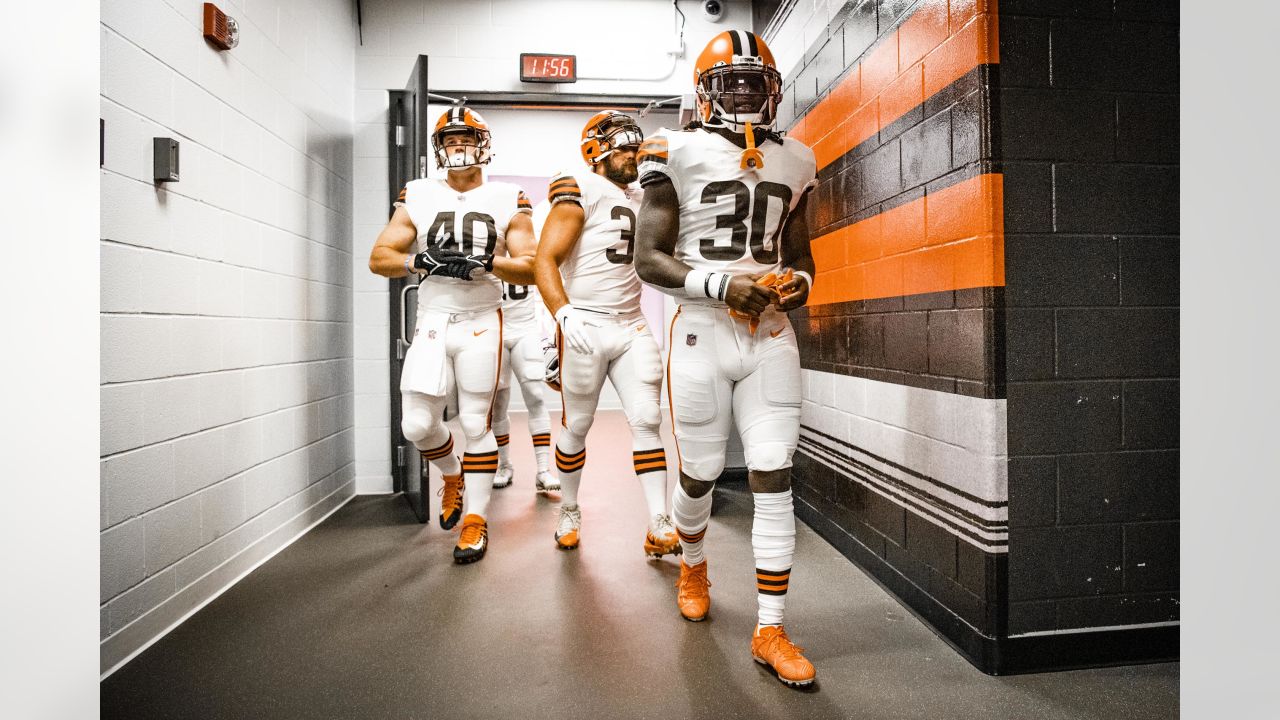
(388, 262)
(550, 284)
(661, 270)
(517, 270)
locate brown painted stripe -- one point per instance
(932, 48)
(692, 537)
(949, 240)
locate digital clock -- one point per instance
(547, 68)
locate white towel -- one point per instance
(424, 365)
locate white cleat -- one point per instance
(545, 482)
(503, 477)
(569, 527)
(661, 538)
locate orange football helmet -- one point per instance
(737, 82)
(462, 121)
(607, 131)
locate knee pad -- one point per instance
(703, 464)
(766, 457)
(580, 425)
(418, 427)
(474, 425)
(645, 416)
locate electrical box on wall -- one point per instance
(220, 30)
(165, 159)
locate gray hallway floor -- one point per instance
(368, 617)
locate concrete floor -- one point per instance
(368, 617)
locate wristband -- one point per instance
(408, 268)
(807, 277)
(703, 284)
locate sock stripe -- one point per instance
(480, 462)
(772, 582)
(542, 440)
(648, 467)
(773, 574)
(771, 591)
(502, 440)
(692, 537)
(658, 454)
(566, 466)
(437, 453)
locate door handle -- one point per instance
(404, 314)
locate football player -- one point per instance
(522, 357)
(466, 237)
(722, 227)
(587, 281)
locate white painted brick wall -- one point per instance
(227, 359)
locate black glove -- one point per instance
(485, 261)
(435, 261)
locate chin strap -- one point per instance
(752, 158)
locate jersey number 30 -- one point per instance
(746, 205)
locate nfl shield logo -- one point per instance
(431, 334)
(691, 339)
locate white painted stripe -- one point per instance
(1104, 628)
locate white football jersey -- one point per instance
(731, 218)
(474, 222)
(598, 273)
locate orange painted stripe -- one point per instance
(948, 240)
(933, 48)
(671, 403)
(651, 465)
(649, 454)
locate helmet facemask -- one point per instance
(615, 132)
(472, 151)
(733, 95)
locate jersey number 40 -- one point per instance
(747, 205)
(443, 233)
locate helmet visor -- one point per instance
(743, 91)
(620, 131)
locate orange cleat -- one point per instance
(569, 528)
(771, 646)
(692, 595)
(450, 501)
(474, 540)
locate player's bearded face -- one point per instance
(620, 165)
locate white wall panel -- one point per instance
(220, 295)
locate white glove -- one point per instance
(574, 328)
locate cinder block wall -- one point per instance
(990, 351)
(1088, 112)
(226, 299)
(902, 458)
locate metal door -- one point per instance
(408, 142)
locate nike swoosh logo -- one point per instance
(776, 333)
(481, 332)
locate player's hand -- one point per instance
(793, 294)
(484, 262)
(573, 326)
(436, 261)
(747, 296)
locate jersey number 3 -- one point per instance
(628, 234)
(746, 205)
